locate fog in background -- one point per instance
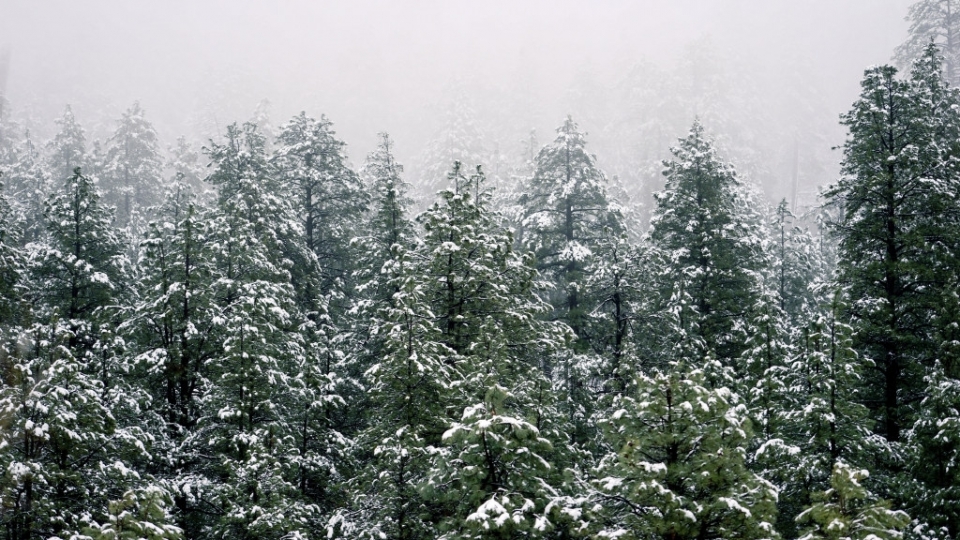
(768, 77)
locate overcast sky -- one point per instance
(382, 65)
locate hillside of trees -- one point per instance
(254, 339)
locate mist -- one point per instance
(396, 66)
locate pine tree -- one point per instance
(407, 385)
(388, 228)
(28, 182)
(329, 197)
(937, 22)
(898, 174)
(246, 410)
(848, 511)
(82, 273)
(677, 466)
(934, 438)
(73, 443)
(132, 168)
(565, 214)
(618, 283)
(824, 422)
(390, 224)
(67, 150)
(174, 326)
(795, 265)
(493, 476)
(11, 272)
(186, 165)
(704, 239)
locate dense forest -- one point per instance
(252, 338)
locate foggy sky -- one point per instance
(384, 66)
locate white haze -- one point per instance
(373, 66)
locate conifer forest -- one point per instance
(706, 305)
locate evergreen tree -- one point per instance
(937, 22)
(677, 466)
(796, 266)
(81, 275)
(493, 477)
(898, 174)
(67, 150)
(848, 511)
(390, 202)
(565, 214)
(246, 417)
(329, 197)
(28, 182)
(186, 165)
(704, 239)
(132, 165)
(618, 283)
(824, 422)
(174, 326)
(73, 438)
(934, 439)
(407, 385)
(11, 273)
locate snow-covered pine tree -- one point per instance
(388, 225)
(934, 439)
(566, 212)
(133, 166)
(28, 183)
(186, 164)
(81, 274)
(494, 477)
(246, 418)
(894, 191)
(677, 466)
(565, 215)
(408, 382)
(705, 240)
(618, 282)
(11, 273)
(825, 421)
(173, 323)
(796, 265)
(848, 511)
(327, 202)
(327, 195)
(72, 442)
(937, 22)
(68, 148)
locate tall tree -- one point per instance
(328, 196)
(133, 165)
(899, 170)
(493, 476)
(246, 419)
(68, 148)
(565, 214)
(27, 179)
(173, 323)
(706, 241)
(677, 465)
(73, 442)
(937, 22)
